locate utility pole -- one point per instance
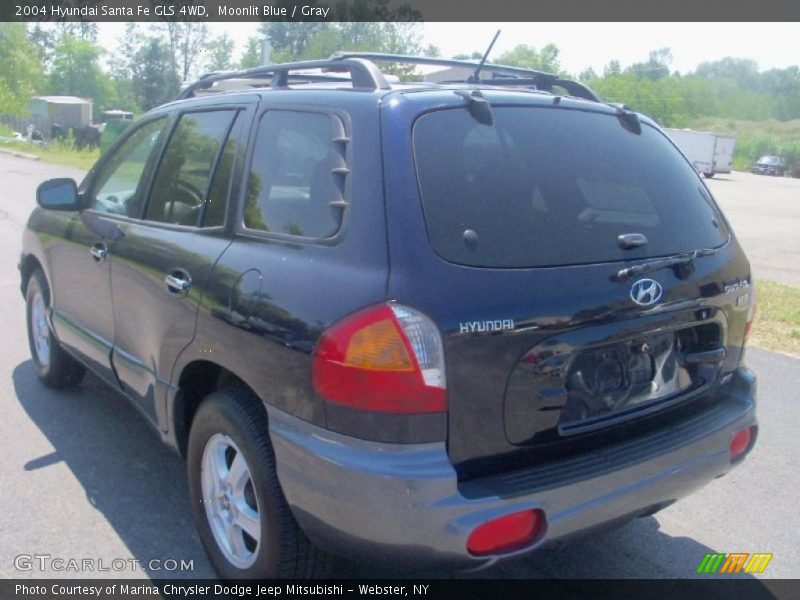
(266, 52)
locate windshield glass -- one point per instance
(549, 186)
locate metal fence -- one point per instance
(40, 122)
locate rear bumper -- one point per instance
(403, 504)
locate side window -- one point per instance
(117, 187)
(296, 179)
(182, 187)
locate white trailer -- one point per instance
(710, 153)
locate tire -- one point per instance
(708, 175)
(230, 512)
(52, 364)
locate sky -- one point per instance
(583, 45)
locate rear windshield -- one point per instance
(547, 186)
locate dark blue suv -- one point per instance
(412, 322)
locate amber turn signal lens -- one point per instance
(378, 347)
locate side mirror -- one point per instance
(58, 194)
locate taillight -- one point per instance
(387, 358)
(751, 312)
(507, 533)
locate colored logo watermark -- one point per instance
(735, 562)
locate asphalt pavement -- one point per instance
(765, 214)
(82, 476)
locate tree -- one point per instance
(76, 71)
(432, 51)
(219, 53)
(252, 54)
(529, 57)
(43, 40)
(124, 65)
(365, 25)
(20, 69)
(155, 82)
(186, 41)
(85, 30)
(612, 69)
(742, 70)
(292, 38)
(656, 67)
(464, 56)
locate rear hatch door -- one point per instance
(515, 237)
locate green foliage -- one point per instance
(154, 78)
(304, 41)
(219, 53)
(20, 69)
(529, 57)
(755, 139)
(730, 88)
(76, 71)
(252, 53)
(61, 152)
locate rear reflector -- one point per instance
(507, 533)
(740, 443)
(387, 358)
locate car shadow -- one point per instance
(139, 486)
(130, 477)
(638, 550)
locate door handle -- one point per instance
(99, 252)
(177, 282)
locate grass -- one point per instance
(59, 153)
(757, 138)
(777, 324)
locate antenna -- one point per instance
(476, 75)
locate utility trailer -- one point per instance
(710, 153)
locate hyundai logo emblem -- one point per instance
(646, 292)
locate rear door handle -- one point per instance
(99, 252)
(178, 282)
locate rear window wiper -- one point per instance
(685, 258)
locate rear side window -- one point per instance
(296, 177)
(548, 187)
(183, 189)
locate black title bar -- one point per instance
(410, 10)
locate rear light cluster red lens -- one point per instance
(507, 533)
(388, 358)
(741, 442)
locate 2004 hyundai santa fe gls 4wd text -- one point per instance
(421, 323)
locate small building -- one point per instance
(67, 111)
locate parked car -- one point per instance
(410, 322)
(769, 165)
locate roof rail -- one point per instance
(515, 76)
(364, 75)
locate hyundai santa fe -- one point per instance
(419, 323)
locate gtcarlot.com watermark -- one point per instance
(60, 564)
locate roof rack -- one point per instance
(503, 75)
(365, 75)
